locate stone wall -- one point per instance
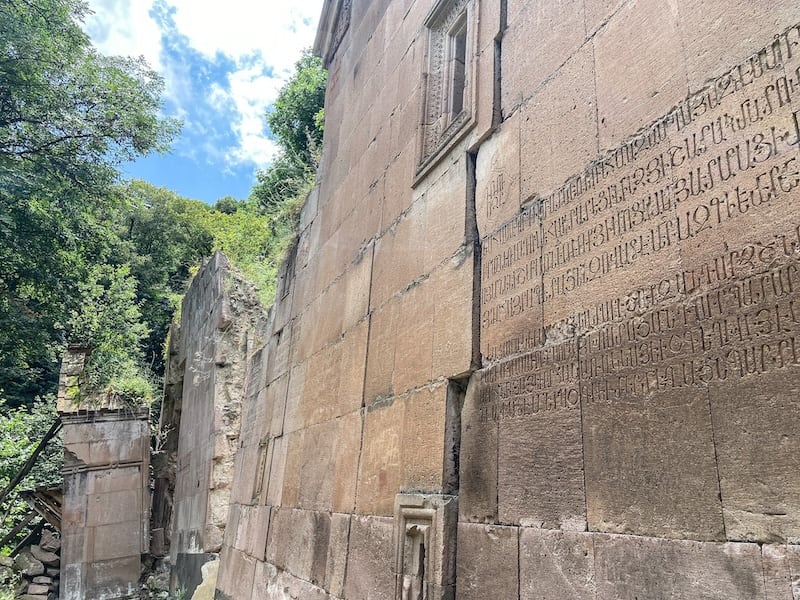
(537, 336)
(200, 417)
(106, 495)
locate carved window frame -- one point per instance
(441, 128)
(424, 545)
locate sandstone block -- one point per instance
(318, 466)
(629, 566)
(781, 566)
(277, 461)
(414, 341)
(650, 466)
(381, 351)
(628, 98)
(369, 562)
(381, 459)
(556, 564)
(549, 151)
(292, 475)
(338, 548)
(538, 39)
(26, 564)
(453, 326)
(540, 459)
(478, 456)
(444, 226)
(348, 447)
(741, 21)
(487, 565)
(757, 449)
(422, 442)
(497, 191)
(399, 255)
(298, 542)
(511, 287)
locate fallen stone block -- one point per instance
(35, 589)
(27, 564)
(45, 557)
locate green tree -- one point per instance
(296, 118)
(68, 117)
(110, 322)
(165, 236)
(296, 122)
(68, 113)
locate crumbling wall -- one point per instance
(221, 320)
(106, 495)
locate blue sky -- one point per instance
(223, 64)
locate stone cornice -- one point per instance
(333, 23)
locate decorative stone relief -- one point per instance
(449, 105)
(425, 542)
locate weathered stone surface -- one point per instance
(549, 152)
(38, 589)
(348, 448)
(627, 52)
(370, 559)
(52, 542)
(478, 458)
(487, 565)
(640, 450)
(26, 564)
(497, 173)
(555, 564)
(381, 459)
(781, 566)
(630, 567)
(272, 584)
(757, 448)
(298, 543)
(338, 548)
(538, 39)
(540, 479)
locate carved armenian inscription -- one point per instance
(671, 262)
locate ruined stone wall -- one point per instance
(537, 337)
(221, 321)
(104, 514)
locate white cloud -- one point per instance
(250, 91)
(277, 30)
(125, 28)
(262, 40)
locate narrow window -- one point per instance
(458, 69)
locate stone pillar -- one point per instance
(106, 491)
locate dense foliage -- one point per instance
(68, 116)
(297, 123)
